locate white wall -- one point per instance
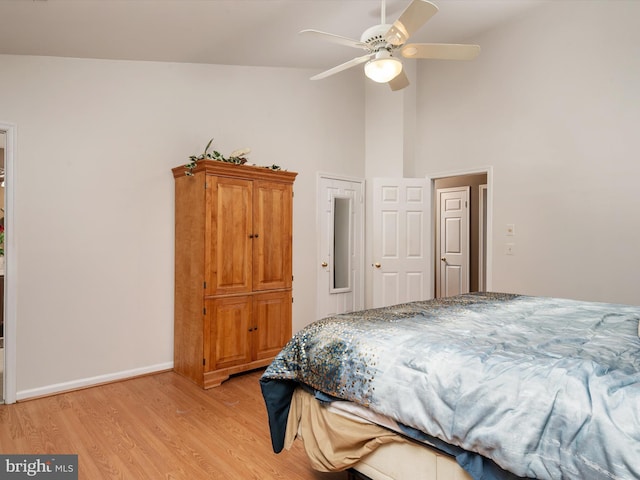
(553, 103)
(94, 194)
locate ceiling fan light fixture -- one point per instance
(383, 68)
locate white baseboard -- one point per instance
(91, 381)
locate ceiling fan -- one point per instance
(383, 40)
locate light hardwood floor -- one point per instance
(157, 427)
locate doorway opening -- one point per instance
(8, 261)
(461, 260)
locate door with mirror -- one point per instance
(340, 249)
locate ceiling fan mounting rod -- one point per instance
(383, 12)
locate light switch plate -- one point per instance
(511, 229)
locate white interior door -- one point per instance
(340, 274)
(400, 243)
(452, 277)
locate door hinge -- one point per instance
(204, 361)
(465, 204)
(291, 299)
(204, 285)
(204, 311)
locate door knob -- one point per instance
(444, 259)
(324, 264)
(377, 265)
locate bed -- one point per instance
(483, 386)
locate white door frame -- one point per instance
(482, 239)
(431, 178)
(10, 266)
(359, 292)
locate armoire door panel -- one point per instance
(231, 319)
(232, 235)
(272, 230)
(271, 323)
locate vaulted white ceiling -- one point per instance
(233, 32)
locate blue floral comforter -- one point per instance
(544, 387)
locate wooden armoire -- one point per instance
(233, 276)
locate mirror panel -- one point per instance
(341, 254)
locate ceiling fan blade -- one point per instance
(343, 66)
(414, 16)
(399, 82)
(330, 37)
(440, 51)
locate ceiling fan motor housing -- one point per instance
(374, 37)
